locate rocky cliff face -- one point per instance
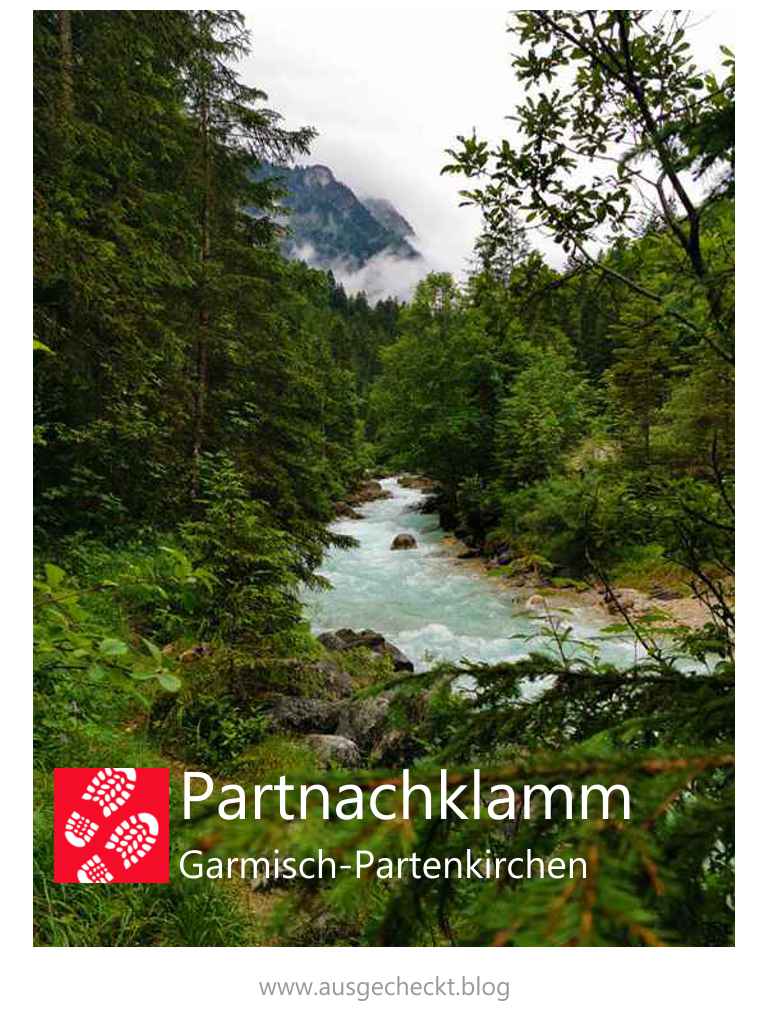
(330, 226)
(390, 218)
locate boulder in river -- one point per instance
(429, 505)
(334, 750)
(403, 541)
(343, 510)
(536, 603)
(346, 639)
(369, 490)
(418, 483)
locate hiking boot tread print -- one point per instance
(134, 838)
(79, 830)
(94, 870)
(110, 788)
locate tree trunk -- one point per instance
(64, 101)
(203, 317)
(67, 65)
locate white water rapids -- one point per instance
(431, 606)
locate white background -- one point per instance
(206, 985)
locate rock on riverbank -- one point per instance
(342, 729)
(368, 490)
(418, 483)
(346, 639)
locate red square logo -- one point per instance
(110, 824)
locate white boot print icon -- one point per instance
(79, 830)
(110, 788)
(134, 838)
(94, 870)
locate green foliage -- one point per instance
(275, 756)
(432, 400)
(633, 88)
(599, 443)
(545, 414)
(76, 653)
(476, 506)
(254, 565)
(601, 387)
(209, 728)
(565, 518)
(177, 327)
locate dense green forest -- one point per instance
(202, 402)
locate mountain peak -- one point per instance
(318, 175)
(331, 227)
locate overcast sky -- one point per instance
(389, 89)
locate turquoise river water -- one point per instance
(432, 606)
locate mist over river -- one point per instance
(429, 604)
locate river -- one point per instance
(432, 606)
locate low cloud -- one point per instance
(383, 276)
